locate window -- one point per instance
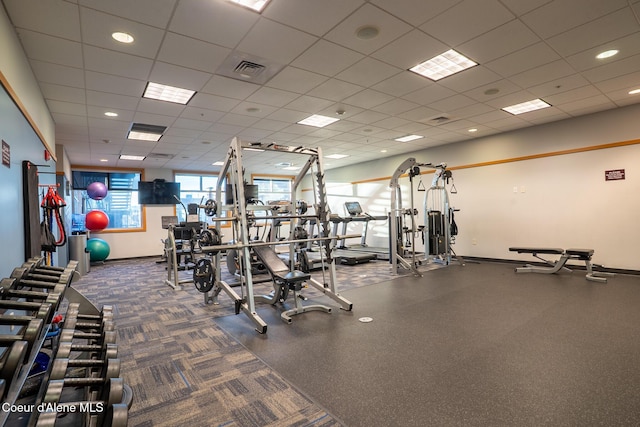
(272, 189)
(195, 189)
(120, 203)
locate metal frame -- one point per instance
(233, 171)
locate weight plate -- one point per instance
(203, 275)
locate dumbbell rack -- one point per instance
(85, 331)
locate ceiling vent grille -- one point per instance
(248, 68)
(440, 119)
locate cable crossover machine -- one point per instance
(439, 231)
(286, 278)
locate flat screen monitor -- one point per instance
(353, 208)
(158, 192)
(250, 193)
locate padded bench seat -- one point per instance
(555, 266)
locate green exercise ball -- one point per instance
(98, 249)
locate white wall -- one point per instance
(562, 201)
(15, 69)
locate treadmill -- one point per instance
(345, 256)
(354, 209)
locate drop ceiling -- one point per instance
(308, 58)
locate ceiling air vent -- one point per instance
(440, 119)
(248, 68)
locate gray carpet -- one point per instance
(185, 370)
(466, 346)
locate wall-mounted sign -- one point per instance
(6, 154)
(614, 175)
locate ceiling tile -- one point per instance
(97, 28)
(200, 55)
(335, 90)
(501, 41)
(310, 16)
(150, 12)
(415, 12)
(465, 20)
(523, 60)
(42, 47)
(327, 58)
(218, 22)
(557, 17)
(56, 18)
(275, 41)
(116, 63)
(410, 50)
(368, 72)
(390, 28)
(296, 80)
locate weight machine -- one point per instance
(438, 215)
(207, 276)
(441, 228)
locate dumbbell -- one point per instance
(110, 409)
(104, 350)
(106, 369)
(38, 310)
(12, 360)
(105, 314)
(104, 337)
(8, 290)
(31, 328)
(39, 281)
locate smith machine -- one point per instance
(207, 273)
(440, 229)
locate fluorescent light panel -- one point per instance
(256, 5)
(318, 121)
(336, 156)
(443, 65)
(525, 107)
(131, 157)
(143, 136)
(409, 138)
(168, 93)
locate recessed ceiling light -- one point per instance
(633, 92)
(409, 138)
(256, 5)
(292, 168)
(217, 163)
(168, 93)
(525, 107)
(472, 130)
(336, 156)
(443, 65)
(104, 160)
(318, 121)
(111, 114)
(383, 151)
(131, 157)
(607, 54)
(491, 91)
(122, 37)
(259, 150)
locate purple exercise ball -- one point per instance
(97, 191)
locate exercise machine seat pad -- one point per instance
(277, 267)
(520, 250)
(580, 253)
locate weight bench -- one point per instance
(556, 266)
(285, 280)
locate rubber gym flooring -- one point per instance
(473, 345)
